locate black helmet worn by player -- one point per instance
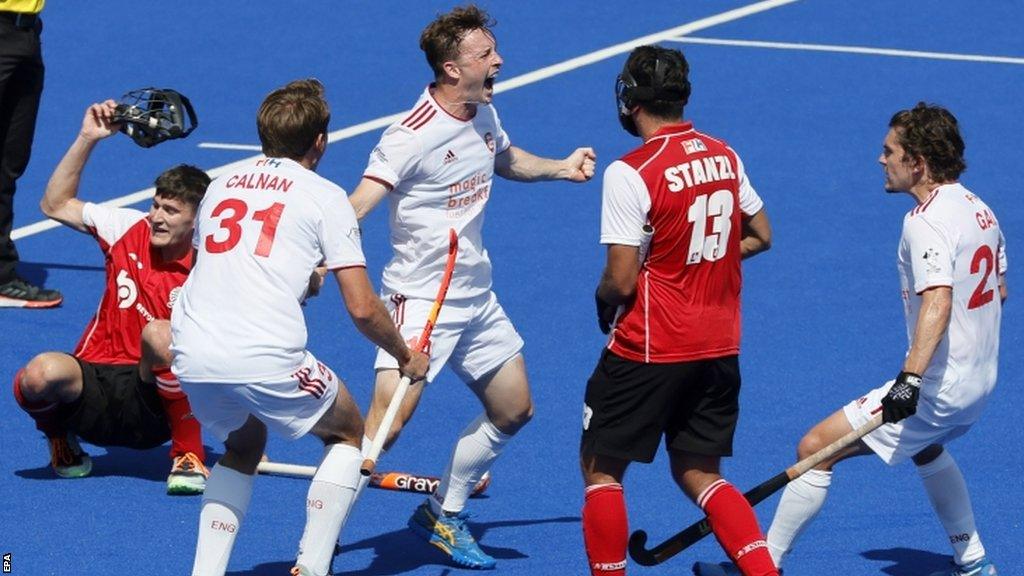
(655, 77)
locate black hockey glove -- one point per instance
(901, 401)
(605, 314)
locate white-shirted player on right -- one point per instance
(952, 265)
(436, 167)
(239, 335)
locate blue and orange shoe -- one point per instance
(450, 535)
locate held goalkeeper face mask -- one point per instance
(150, 116)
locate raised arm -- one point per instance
(518, 164)
(367, 195)
(373, 321)
(60, 201)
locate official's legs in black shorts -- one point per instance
(116, 408)
(630, 405)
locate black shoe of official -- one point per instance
(18, 293)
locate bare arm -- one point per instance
(756, 236)
(518, 164)
(1003, 290)
(932, 323)
(372, 319)
(367, 195)
(60, 201)
(618, 282)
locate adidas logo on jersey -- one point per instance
(450, 157)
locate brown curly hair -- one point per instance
(932, 132)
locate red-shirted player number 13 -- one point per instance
(704, 245)
(232, 211)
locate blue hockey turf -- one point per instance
(803, 90)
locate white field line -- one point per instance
(510, 84)
(851, 50)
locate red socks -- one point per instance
(44, 413)
(186, 435)
(605, 529)
(735, 526)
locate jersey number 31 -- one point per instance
(232, 211)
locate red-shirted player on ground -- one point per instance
(116, 388)
(672, 301)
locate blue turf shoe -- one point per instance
(722, 569)
(451, 535)
(980, 567)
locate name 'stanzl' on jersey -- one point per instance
(699, 171)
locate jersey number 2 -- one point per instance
(237, 210)
(981, 296)
(704, 246)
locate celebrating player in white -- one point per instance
(952, 265)
(436, 167)
(239, 337)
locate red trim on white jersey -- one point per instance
(450, 115)
(417, 115)
(423, 120)
(924, 205)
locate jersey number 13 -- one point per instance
(705, 245)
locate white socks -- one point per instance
(800, 503)
(331, 495)
(478, 446)
(948, 492)
(225, 500)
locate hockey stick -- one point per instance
(398, 481)
(697, 531)
(403, 385)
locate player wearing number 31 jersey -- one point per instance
(274, 217)
(239, 336)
